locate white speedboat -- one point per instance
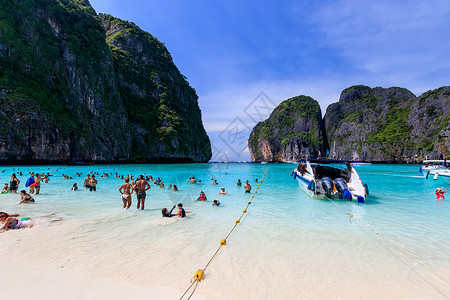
(434, 169)
(325, 178)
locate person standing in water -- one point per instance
(440, 193)
(86, 182)
(126, 190)
(93, 184)
(247, 186)
(141, 186)
(13, 184)
(37, 182)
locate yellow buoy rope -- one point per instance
(391, 242)
(200, 273)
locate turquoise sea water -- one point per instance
(288, 244)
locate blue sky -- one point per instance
(232, 51)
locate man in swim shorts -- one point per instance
(141, 186)
(37, 182)
(86, 181)
(247, 187)
(126, 189)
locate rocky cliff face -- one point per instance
(62, 99)
(391, 124)
(160, 104)
(293, 131)
(370, 124)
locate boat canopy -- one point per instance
(435, 161)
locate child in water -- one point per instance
(181, 212)
(5, 189)
(440, 193)
(74, 187)
(216, 202)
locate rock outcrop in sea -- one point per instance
(367, 124)
(294, 129)
(389, 124)
(68, 95)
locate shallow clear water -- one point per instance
(288, 244)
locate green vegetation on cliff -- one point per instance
(156, 95)
(298, 121)
(87, 99)
(29, 47)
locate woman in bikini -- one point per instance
(25, 198)
(126, 190)
(13, 222)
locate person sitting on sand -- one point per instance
(181, 212)
(440, 193)
(74, 187)
(222, 191)
(216, 202)
(202, 197)
(215, 182)
(247, 186)
(239, 183)
(126, 190)
(166, 213)
(12, 222)
(5, 189)
(25, 198)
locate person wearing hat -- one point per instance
(440, 193)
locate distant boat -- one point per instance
(434, 168)
(360, 163)
(264, 162)
(326, 178)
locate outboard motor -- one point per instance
(340, 185)
(366, 188)
(327, 185)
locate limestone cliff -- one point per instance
(389, 124)
(369, 124)
(293, 131)
(161, 105)
(62, 99)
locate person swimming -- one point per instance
(216, 202)
(202, 197)
(74, 187)
(222, 191)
